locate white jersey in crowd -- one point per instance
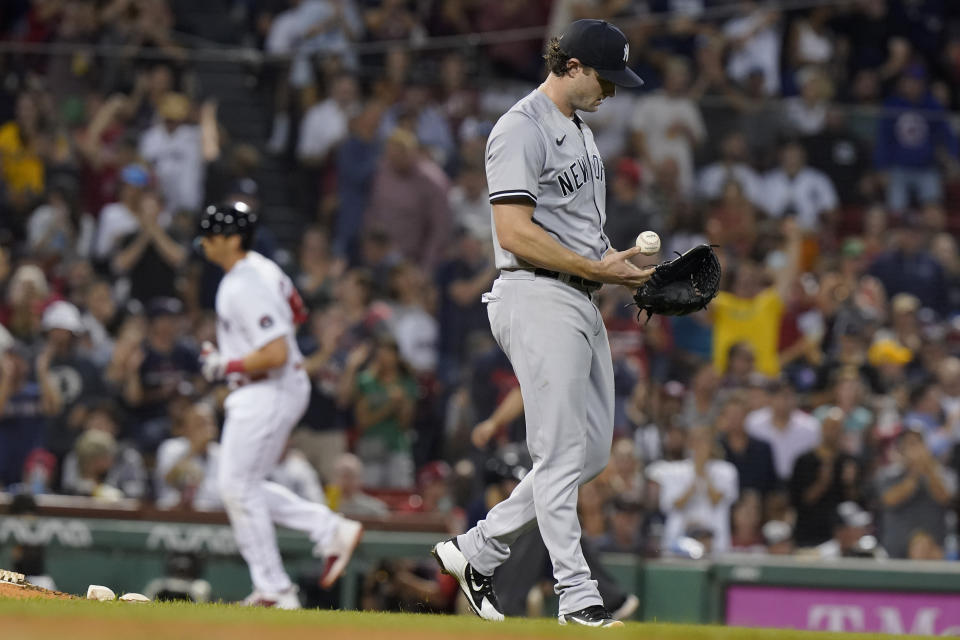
(177, 160)
(254, 308)
(675, 479)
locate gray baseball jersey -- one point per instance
(536, 152)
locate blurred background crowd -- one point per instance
(813, 408)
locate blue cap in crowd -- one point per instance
(135, 175)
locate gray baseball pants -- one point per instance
(556, 341)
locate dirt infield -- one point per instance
(29, 592)
(62, 628)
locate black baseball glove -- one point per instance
(682, 285)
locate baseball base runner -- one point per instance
(258, 309)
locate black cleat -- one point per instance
(595, 616)
(477, 587)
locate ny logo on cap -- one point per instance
(626, 52)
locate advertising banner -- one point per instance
(935, 614)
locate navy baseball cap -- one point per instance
(599, 44)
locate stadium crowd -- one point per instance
(813, 408)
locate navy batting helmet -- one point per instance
(229, 219)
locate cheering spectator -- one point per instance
(78, 380)
(948, 376)
(623, 222)
(800, 189)
(470, 202)
(731, 167)
(697, 492)
(322, 436)
(850, 525)
(753, 458)
(806, 114)
(28, 396)
(149, 257)
(745, 521)
(461, 314)
(915, 493)
(754, 39)
(101, 318)
(625, 534)
(789, 431)
(408, 200)
(385, 400)
(52, 231)
(778, 538)
(413, 326)
(28, 292)
(82, 472)
(325, 124)
(357, 159)
(119, 219)
(667, 124)
(318, 268)
(163, 367)
(178, 151)
(821, 480)
(926, 416)
(849, 393)
(418, 112)
(909, 268)
(751, 312)
(96, 454)
(700, 403)
(732, 222)
(810, 39)
(843, 158)
(24, 145)
(186, 470)
(909, 141)
(945, 251)
(346, 490)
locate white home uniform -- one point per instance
(553, 334)
(253, 309)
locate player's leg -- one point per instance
(544, 331)
(487, 545)
(293, 512)
(600, 408)
(335, 537)
(247, 431)
(560, 443)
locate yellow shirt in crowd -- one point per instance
(755, 321)
(21, 168)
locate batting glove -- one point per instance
(214, 366)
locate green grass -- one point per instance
(78, 620)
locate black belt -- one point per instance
(580, 284)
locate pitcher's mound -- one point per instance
(12, 586)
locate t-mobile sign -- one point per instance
(934, 614)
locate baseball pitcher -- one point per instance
(548, 196)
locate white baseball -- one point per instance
(649, 243)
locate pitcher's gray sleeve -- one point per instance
(515, 158)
